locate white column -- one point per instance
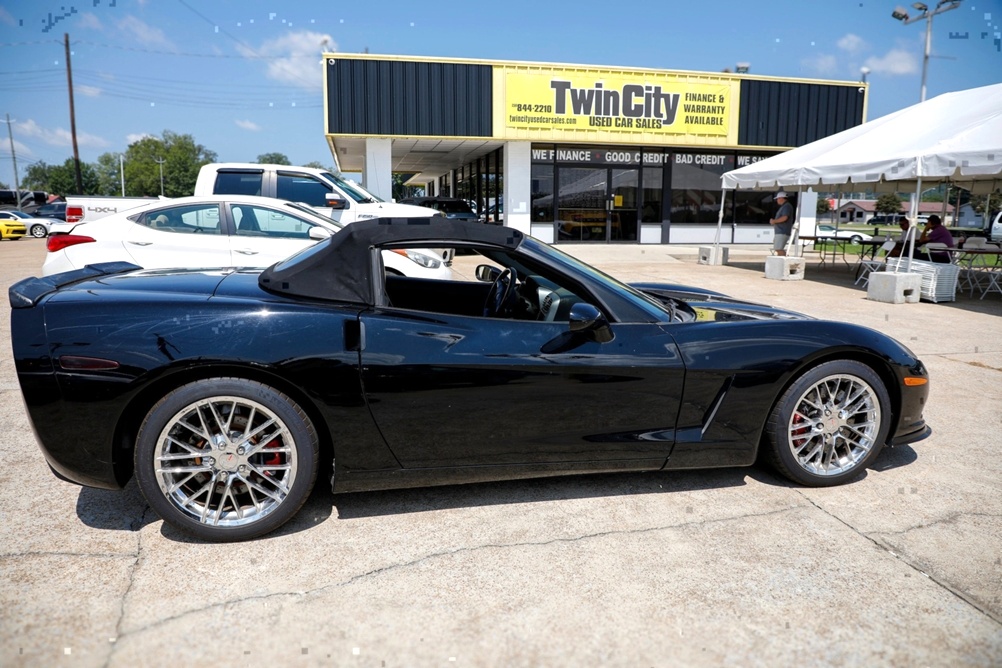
(518, 185)
(378, 174)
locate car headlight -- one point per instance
(426, 261)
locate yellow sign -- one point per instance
(622, 106)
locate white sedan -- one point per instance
(214, 231)
(37, 227)
(853, 236)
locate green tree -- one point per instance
(273, 159)
(317, 165)
(888, 203)
(181, 156)
(108, 176)
(60, 179)
(824, 206)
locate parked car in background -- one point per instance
(213, 231)
(86, 209)
(224, 392)
(51, 210)
(28, 198)
(450, 207)
(37, 227)
(12, 228)
(328, 193)
(853, 236)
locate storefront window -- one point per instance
(653, 195)
(695, 187)
(542, 193)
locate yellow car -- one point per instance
(12, 229)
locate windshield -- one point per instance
(649, 305)
(354, 190)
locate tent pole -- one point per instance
(914, 216)
(720, 217)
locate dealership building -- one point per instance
(577, 152)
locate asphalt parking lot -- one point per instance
(903, 567)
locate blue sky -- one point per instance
(243, 77)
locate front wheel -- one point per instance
(38, 231)
(226, 459)
(830, 424)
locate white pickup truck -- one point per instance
(328, 193)
(83, 209)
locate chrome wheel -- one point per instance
(225, 461)
(38, 231)
(834, 425)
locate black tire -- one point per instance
(820, 445)
(855, 239)
(38, 231)
(250, 476)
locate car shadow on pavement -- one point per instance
(127, 510)
(535, 490)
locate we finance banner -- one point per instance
(620, 106)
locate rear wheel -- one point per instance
(226, 459)
(855, 239)
(830, 424)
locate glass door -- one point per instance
(597, 204)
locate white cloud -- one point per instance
(89, 22)
(897, 62)
(822, 65)
(6, 18)
(87, 91)
(145, 33)
(133, 138)
(851, 43)
(59, 136)
(294, 59)
(248, 125)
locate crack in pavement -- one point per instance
(444, 553)
(137, 527)
(949, 519)
(904, 559)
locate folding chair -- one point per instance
(866, 267)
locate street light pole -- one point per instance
(901, 14)
(161, 161)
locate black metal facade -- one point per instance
(413, 99)
(783, 113)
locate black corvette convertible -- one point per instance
(222, 389)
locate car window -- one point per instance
(238, 183)
(191, 219)
(302, 188)
(259, 221)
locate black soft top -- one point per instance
(341, 268)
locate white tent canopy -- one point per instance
(955, 137)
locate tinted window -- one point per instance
(302, 188)
(238, 183)
(259, 221)
(195, 218)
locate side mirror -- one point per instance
(319, 233)
(336, 201)
(586, 319)
(487, 273)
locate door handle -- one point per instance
(245, 251)
(141, 243)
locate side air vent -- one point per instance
(547, 303)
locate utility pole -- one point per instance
(13, 157)
(73, 117)
(161, 161)
(121, 170)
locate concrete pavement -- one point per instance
(902, 567)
